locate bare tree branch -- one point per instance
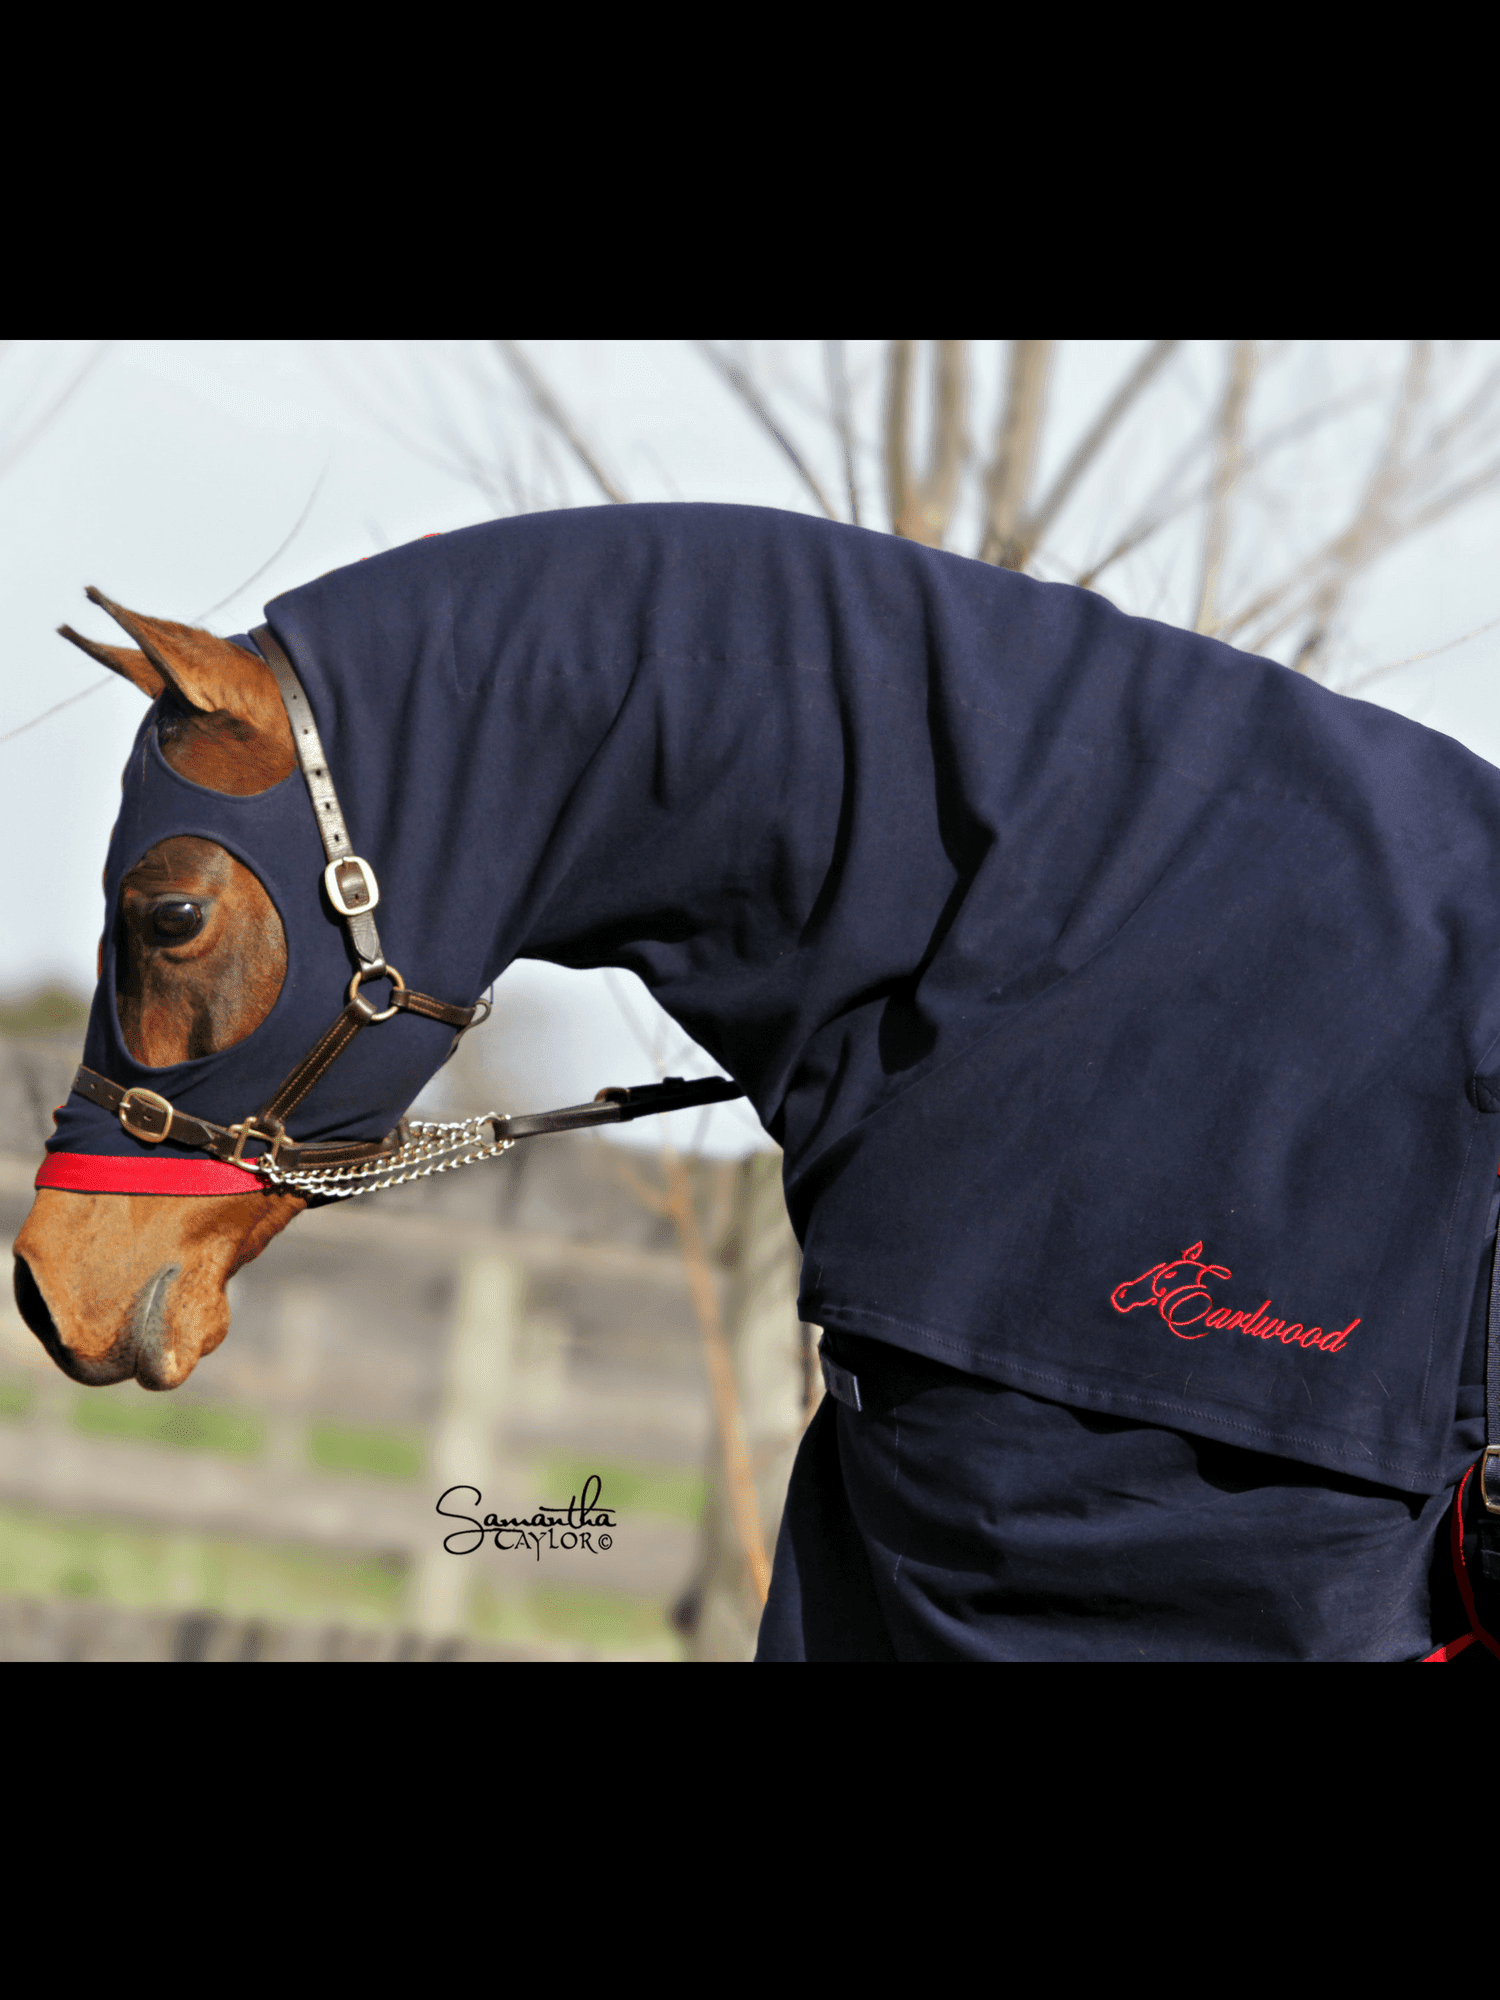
(1009, 477)
(1318, 600)
(1456, 496)
(901, 357)
(1093, 442)
(1464, 417)
(1160, 510)
(1369, 531)
(739, 1480)
(843, 418)
(1411, 660)
(28, 437)
(467, 466)
(675, 1199)
(746, 390)
(296, 529)
(549, 406)
(950, 437)
(82, 695)
(1228, 463)
(921, 508)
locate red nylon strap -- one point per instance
(101, 1173)
(1465, 1589)
(1449, 1652)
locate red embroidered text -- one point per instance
(1180, 1295)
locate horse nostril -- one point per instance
(33, 1307)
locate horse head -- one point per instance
(1163, 1280)
(116, 1285)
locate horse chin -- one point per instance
(121, 1286)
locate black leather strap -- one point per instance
(618, 1106)
(220, 1140)
(615, 1106)
(434, 1010)
(325, 1051)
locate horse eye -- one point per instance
(172, 922)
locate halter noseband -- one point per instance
(338, 1167)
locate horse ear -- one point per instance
(208, 673)
(123, 660)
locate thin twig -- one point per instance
(1094, 440)
(640, 1187)
(921, 508)
(1229, 458)
(1375, 673)
(1463, 417)
(1456, 496)
(549, 406)
(1367, 533)
(739, 1482)
(467, 467)
(617, 994)
(843, 423)
(900, 363)
(29, 437)
(1009, 477)
(297, 528)
(746, 390)
(56, 709)
(1158, 512)
(676, 1201)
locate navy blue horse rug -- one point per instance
(1127, 1008)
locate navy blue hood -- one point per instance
(273, 832)
(1123, 1003)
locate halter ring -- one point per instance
(398, 985)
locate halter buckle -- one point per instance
(351, 885)
(154, 1112)
(248, 1130)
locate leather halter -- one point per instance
(354, 894)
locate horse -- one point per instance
(961, 877)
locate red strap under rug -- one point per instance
(1465, 1590)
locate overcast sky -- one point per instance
(173, 471)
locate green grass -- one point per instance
(44, 1013)
(126, 1412)
(591, 1618)
(16, 1399)
(677, 1491)
(389, 1454)
(47, 1555)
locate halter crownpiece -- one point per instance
(332, 1170)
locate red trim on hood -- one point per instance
(101, 1173)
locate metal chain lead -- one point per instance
(430, 1149)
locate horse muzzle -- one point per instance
(141, 1346)
(121, 1286)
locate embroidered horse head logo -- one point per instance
(1176, 1290)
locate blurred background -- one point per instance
(619, 1307)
